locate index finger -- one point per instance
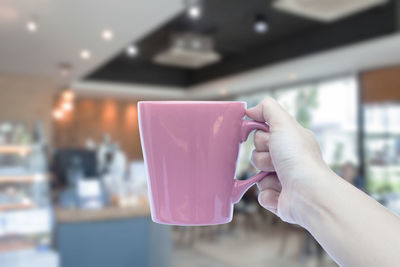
(269, 111)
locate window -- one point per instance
(328, 108)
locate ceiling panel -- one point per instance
(230, 24)
(66, 27)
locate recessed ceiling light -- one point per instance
(31, 26)
(260, 24)
(107, 35)
(85, 54)
(132, 50)
(261, 27)
(194, 12)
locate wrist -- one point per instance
(312, 198)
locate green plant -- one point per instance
(306, 101)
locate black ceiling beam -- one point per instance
(372, 24)
(242, 50)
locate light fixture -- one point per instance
(85, 54)
(58, 114)
(67, 106)
(68, 95)
(260, 24)
(188, 50)
(194, 11)
(107, 35)
(32, 26)
(132, 50)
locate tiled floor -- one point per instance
(243, 247)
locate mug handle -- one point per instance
(241, 186)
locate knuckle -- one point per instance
(256, 158)
(260, 136)
(257, 137)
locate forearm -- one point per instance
(353, 228)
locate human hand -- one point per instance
(292, 156)
(302, 189)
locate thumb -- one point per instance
(269, 111)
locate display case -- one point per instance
(25, 206)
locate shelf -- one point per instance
(16, 206)
(16, 245)
(15, 149)
(23, 178)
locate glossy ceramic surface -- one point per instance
(190, 150)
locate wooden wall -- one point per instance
(382, 85)
(26, 99)
(92, 118)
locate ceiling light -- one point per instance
(68, 95)
(85, 54)
(107, 35)
(196, 51)
(194, 12)
(67, 106)
(260, 24)
(31, 26)
(260, 27)
(58, 114)
(132, 50)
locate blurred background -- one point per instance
(73, 188)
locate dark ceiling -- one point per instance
(230, 24)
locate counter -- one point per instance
(111, 237)
(108, 213)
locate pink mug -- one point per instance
(190, 150)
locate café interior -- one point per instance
(73, 183)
